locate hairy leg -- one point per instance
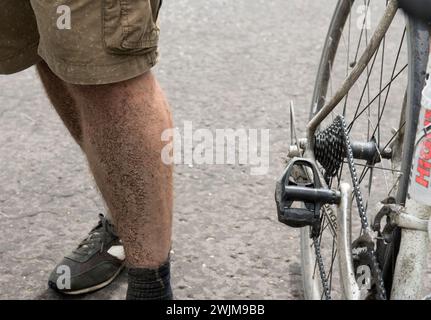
(122, 125)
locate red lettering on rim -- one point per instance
(424, 170)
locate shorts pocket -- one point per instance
(130, 26)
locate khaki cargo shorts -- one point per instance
(82, 41)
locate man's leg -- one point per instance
(104, 60)
(122, 125)
(90, 269)
(93, 114)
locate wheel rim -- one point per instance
(371, 99)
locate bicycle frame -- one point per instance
(412, 255)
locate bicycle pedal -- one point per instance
(300, 194)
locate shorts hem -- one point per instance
(90, 74)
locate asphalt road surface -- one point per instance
(224, 64)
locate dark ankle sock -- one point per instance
(150, 284)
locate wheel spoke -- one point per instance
(375, 98)
(390, 84)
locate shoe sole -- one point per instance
(94, 288)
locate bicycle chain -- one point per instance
(330, 146)
(323, 277)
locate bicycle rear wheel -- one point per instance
(381, 108)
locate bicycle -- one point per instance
(364, 130)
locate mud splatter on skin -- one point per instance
(121, 128)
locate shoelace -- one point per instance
(96, 236)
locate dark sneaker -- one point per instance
(96, 262)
